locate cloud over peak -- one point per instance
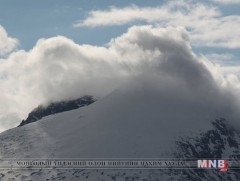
(59, 69)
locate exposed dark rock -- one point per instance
(221, 141)
(57, 107)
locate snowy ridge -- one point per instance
(134, 121)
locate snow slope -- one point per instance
(130, 122)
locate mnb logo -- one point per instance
(221, 164)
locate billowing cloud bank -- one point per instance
(57, 69)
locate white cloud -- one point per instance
(57, 69)
(227, 1)
(220, 58)
(7, 44)
(231, 70)
(206, 24)
(119, 16)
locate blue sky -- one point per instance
(30, 20)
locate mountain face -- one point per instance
(57, 107)
(130, 122)
(222, 140)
